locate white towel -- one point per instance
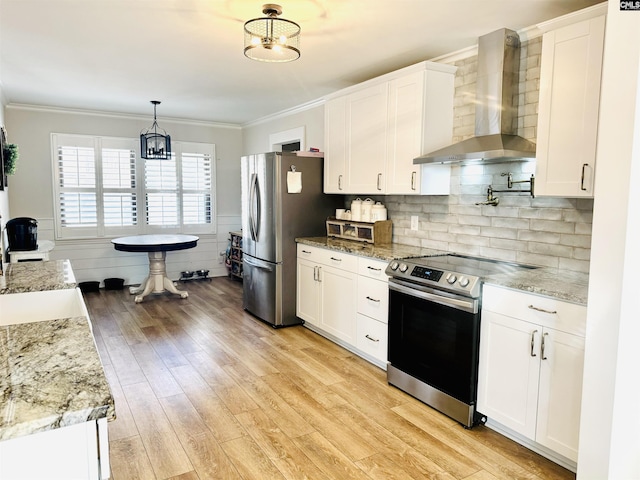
(294, 182)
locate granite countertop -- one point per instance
(563, 285)
(37, 277)
(388, 252)
(550, 282)
(51, 375)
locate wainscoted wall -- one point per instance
(553, 232)
(97, 259)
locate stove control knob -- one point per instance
(464, 281)
(394, 266)
(404, 267)
(451, 278)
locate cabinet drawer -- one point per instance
(343, 261)
(369, 267)
(544, 311)
(373, 298)
(372, 337)
(308, 252)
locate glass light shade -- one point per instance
(272, 39)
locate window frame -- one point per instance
(98, 143)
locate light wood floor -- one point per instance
(204, 390)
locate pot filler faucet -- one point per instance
(493, 200)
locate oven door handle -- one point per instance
(469, 305)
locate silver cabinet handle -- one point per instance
(413, 180)
(372, 299)
(538, 309)
(371, 338)
(582, 187)
(374, 269)
(336, 259)
(319, 277)
(315, 274)
(305, 251)
(378, 184)
(533, 336)
(542, 346)
(339, 182)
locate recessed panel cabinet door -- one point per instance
(367, 140)
(561, 367)
(335, 149)
(338, 300)
(508, 372)
(308, 292)
(570, 71)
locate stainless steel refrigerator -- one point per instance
(282, 199)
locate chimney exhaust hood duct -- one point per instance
(495, 137)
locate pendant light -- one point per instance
(272, 39)
(155, 145)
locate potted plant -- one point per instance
(10, 158)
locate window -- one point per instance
(103, 188)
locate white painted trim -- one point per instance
(573, 17)
(285, 113)
(276, 140)
(129, 116)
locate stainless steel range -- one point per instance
(434, 329)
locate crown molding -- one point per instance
(130, 116)
(285, 113)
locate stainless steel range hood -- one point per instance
(495, 137)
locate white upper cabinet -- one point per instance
(374, 131)
(570, 72)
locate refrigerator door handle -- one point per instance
(257, 265)
(254, 207)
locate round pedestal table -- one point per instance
(157, 247)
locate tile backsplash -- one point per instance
(554, 232)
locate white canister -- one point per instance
(356, 209)
(367, 204)
(339, 213)
(378, 212)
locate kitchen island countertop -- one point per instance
(51, 374)
(550, 282)
(25, 277)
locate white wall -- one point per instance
(31, 193)
(610, 424)
(311, 119)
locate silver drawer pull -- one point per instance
(372, 299)
(537, 309)
(544, 357)
(533, 336)
(375, 269)
(371, 338)
(306, 251)
(336, 259)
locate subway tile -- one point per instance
(552, 226)
(473, 240)
(442, 236)
(507, 244)
(573, 265)
(466, 229)
(582, 241)
(540, 237)
(582, 216)
(542, 213)
(499, 211)
(518, 223)
(582, 253)
(583, 228)
(474, 220)
(549, 249)
(496, 232)
(535, 259)
(557, 202)
(436, 245)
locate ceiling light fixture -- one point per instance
(272, 39)
(154, 145)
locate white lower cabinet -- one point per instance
(531, 364)
(326, 291)
(75, 451)
(346, 298)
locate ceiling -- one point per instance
(117, 55)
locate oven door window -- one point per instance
(435, 343)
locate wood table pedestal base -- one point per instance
(157, 281)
